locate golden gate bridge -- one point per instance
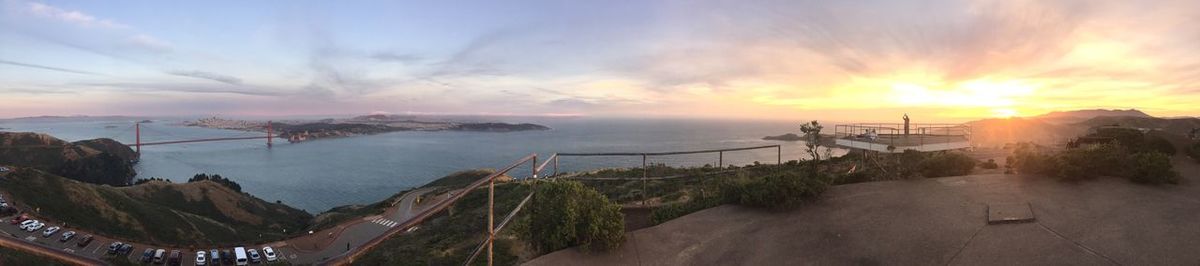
(138, 138)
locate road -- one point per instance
(327, 243)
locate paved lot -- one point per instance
(354, 233)
(934, 222)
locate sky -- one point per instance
(941, 60)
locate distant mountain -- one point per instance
(1064, 117)
(1061, 126)
(97, 161)
(999, 131)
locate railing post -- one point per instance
(779, 156)
(533, 171)
(644, 169)
(555, 165)
(491, 225)
(721, 160)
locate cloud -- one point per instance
(72, 16)
(393, 57)
(209, 76)
(150, 43)
(6, 62)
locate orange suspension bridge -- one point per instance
(270, 136)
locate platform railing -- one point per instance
(535, 176)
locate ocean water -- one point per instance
(321, 174)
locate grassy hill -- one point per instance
(199, 213)
(98, 161)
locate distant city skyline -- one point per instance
(943, 60)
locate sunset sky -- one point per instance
(792, 59)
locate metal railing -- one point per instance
(490, 180)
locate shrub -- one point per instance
(567, 214)
(1028, 160)
(1158, 144)
(1152, 168)
(989, 164)
(775, 191)
(1194, 151)
(947, 164)
(1092, 161)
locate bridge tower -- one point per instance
(269, 134)
(138, 135)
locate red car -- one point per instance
(19, 219)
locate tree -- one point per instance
(812, 139)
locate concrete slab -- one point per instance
(934, 222)
(1008, 213)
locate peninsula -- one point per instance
(302, 130)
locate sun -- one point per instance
(1004, 113)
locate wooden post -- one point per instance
(491, 216)
(644, 169)
(555, 165)
(533, 171)
(720, 159)
(779, 156)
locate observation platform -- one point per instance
(896, 138)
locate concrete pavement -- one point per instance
(939, 221)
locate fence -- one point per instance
(490, 180)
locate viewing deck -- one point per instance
(919, 137)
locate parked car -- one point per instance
(50, 231)
(159, 256)
(227, 256)
(240, 254)
(83, 242)
(20, 219)
(37, 225)
(67, 236)
(125, 249)
(25, 224)
(200, 259)
(269, 253)
(147, 255)
(214, 258)
(176, 258)
(112, 248)
(254, 258)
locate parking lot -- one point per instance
(99, 246)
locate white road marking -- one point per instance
(30, 238)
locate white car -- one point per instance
(270, 254)
(34, 226)
(50, 231)
(26, 224)
(37, 226)
(200, 258)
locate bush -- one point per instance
(1092, 161)
(1194, 151)
(775, 191)
(1152, 168)
(1158, 144)
(989, 164)
(568, 214)
(1028, 160)
(947, 164)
